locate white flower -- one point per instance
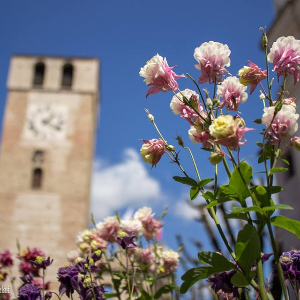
(131, 226)
(284, 124)
(177, 104)
(170, 256)
(143, 214)
(152, 68)
(232, 92)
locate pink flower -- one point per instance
(108, 229)
(159, 75)
(251, 75)
(232, 92)
(198, 135)
(152, 151)
(229, 131)
(284, 124)
(131, 226)
(6, 259)
(170, 261)
(180, 108)
(144, 257)
(288, 101)
(285, 56)
(212, 57)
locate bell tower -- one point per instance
(47, 153)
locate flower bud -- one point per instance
(78, 259)
(216, 102)
(180, 141)
(295, 142)
(91, 262)
(209, 103)
(170, 148)
(48, 295)
(151, 117)
(84, 247)
(262, 96)
(216, 157)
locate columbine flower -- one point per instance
(222, 282)
(232, 92)
(144, 257)
(143, 214)
(29, 292)
(290, 264)
(284, 124)
(42, 263)
(72, 255)
(251, 75)
(228, 131)
(198, 135)
(108, 229)
(288, 101)
(285, 56)
(6, 259)
(170, 261)
(126, 240)
(212, 57)
(152, 151)
(180, 108)
(67, 276)
(159, 75)
(133, 226)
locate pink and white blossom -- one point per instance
(180, 108)
(143, 214)
(212, 58)
(144, 257)
(198, 135)
(284, 124)
(229, 131)
(252, 75)
(152, 151)
(108, 229)
(285, 56)
(131, 226)
(232, 92)
(170, 260)
(159, 75)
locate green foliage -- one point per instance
(169, 288)
(194, 192)
(239, 280)
(288, 224)
(185, 180)
(277, 170)
(247, 248)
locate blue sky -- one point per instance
(124, 35)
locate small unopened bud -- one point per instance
(295, 142)
(91, 262)
(209, 103)
(122, 234)
(48, 295)
(78, 259)
(180, 141)
(84, 247)
(264, 38)
(216, 102)
(170, 148)
(278, 106)
(98, 253)
(262, 96)
(216, 157)
(151, 117)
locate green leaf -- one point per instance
(285, 160)
(110, 295)
(165, 290)
(185, 180)
(239, 209)
(247, 248)
(204, 182)
(145, 296)
(208, 195)
(277, 206)
(239, 280)
(236, 184)
(288, 224)
(261, 195)
(216, 260)
(257, 121)
(240, 216)
(275, 189)
(277, 170)
(194, 192)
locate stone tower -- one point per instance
(47, 153)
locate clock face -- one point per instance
(46, 122)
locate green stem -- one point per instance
(261, 283)
(12, 282)
(195, 165)
(276, 257)
(127, 273)
(268, 79)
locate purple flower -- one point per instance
(221, 282)
(29, 292)
(290, 264)
(126, 241)
(42, 263)
(67, 276)
(27, 278)
(87, 293)
(6, 258)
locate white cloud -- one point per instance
(121, 185)
(183, 210)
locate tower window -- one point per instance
(289, 158)
(67, 76)
(37, 177)
(38, 157)
(39, 72)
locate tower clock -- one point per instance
(47, 153)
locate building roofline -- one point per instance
(56, 56)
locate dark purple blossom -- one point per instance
(29, 292)
(42, 263)
(6, 259)
(222, 282)
(86, 293)
(48, 295)
(126, 241)
(290, 264)
(27, 278)
(67, 276)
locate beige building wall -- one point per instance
(61, 123)
(287, 23)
